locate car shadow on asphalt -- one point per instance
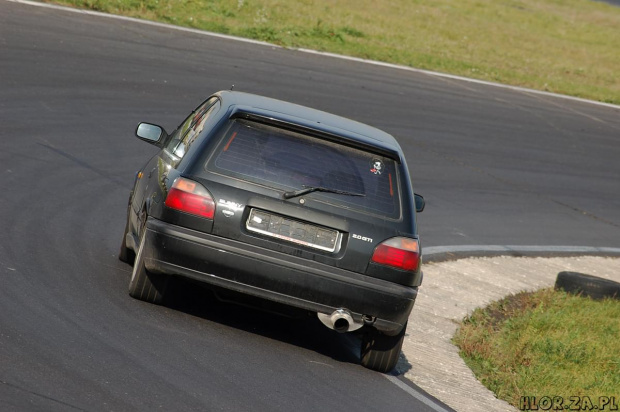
(261, 317)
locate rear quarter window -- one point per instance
(287, 160)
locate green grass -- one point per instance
(563, 46)
(546, 343)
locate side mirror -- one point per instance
(419, 203)
(150, 133)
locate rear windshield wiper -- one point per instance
(310, 189)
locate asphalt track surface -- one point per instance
(497, 167)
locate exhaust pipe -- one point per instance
(340, 320)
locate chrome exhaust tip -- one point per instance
(339, 320)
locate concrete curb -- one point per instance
(435, 254)
(452, 289)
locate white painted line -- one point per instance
(333, 55)
(416, 394)
(434, 250)
(460, 78)
(608, 250)
(146, 22)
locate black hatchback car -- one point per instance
(284, 203)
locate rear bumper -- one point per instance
(275, 276)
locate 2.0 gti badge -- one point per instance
(363, 238)
(230, 204)
(231, 207)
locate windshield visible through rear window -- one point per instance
(290, 161)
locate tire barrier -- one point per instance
(587, 285)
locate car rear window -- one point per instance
(288, 160)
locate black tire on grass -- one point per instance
(587, 285)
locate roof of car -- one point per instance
(310, 118)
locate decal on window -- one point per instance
(376, 166)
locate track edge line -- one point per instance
(434, 254)
(326, 54)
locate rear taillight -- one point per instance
(399, 252)
(190, 197)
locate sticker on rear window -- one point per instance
(376, 166)
(289, 161)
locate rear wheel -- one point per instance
(125, 254)
(144, 285)
(380, 352)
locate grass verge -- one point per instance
(562, 46)
(546, 343)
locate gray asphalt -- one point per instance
(612, 2)
(496, 167)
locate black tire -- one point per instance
(380, 352)
(125, 254)
(144, 285)
(587, 285)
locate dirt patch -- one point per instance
(510, 306)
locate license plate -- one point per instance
(294, 231)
